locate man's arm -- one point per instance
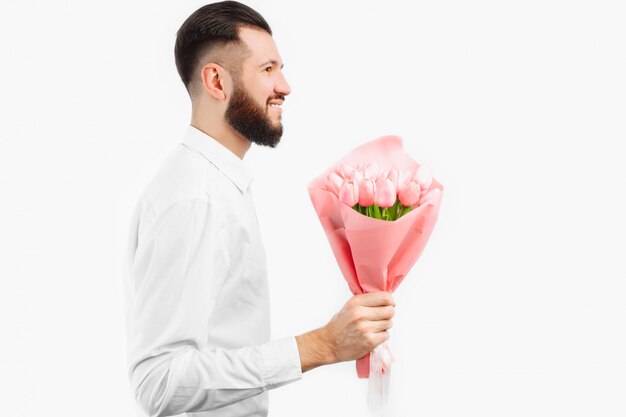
(356, 330)
(176, 274)
(314, 350)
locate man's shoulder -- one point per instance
(183, 175)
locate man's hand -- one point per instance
(353, 332)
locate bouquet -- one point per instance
(378, 208)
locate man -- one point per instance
(197, 289)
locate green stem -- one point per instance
(376, 211)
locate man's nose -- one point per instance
(283, 87)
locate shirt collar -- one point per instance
(219, 155)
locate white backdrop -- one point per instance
(516, 307)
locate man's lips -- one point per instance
(277, 109)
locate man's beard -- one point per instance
(251, 120)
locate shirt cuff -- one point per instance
(281, 360)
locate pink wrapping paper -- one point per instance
(374, 254)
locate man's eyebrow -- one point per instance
(273, 62)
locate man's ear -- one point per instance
(216, 81)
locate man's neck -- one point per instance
(225, 135)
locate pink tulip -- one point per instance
(333, 183)
(346, 171)
(423, 177)
(393, 176)
(383, 174)
(403, 178)
(371, 170)
(385, 195)
(367, 188)
(357, 176)
(409, 194)
(349, 193)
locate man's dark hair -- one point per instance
(212, 32)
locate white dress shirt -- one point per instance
(197, 300)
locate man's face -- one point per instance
(249, 111)
(254, 121)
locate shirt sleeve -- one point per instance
(179, 266)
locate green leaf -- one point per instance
(405, 211)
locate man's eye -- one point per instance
(268, 68)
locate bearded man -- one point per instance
(197, 305)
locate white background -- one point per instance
(517, 306)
